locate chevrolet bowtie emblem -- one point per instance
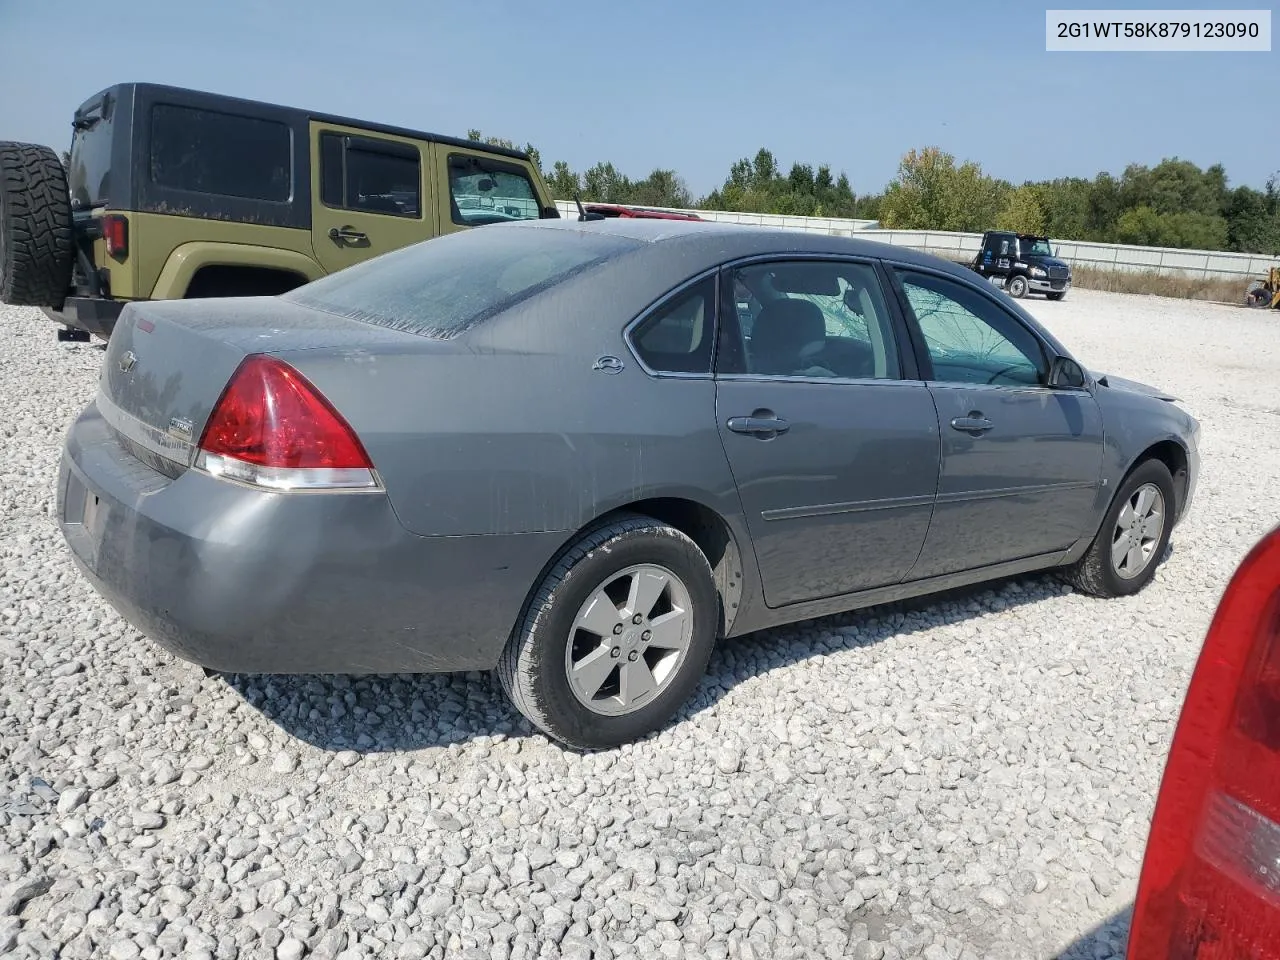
(128, 360)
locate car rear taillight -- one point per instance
(272, 428)
(115, 230)
(1210, 885)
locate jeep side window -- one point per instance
(206, 151)
(370, 175)
(489, 191)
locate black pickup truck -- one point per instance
(1022, 263)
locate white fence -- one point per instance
(961, 247)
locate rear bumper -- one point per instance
(249, 582)
(90, 314)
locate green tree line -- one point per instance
(1172, 204)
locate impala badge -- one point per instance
(127, 361)
(180, 427)
(608, 364)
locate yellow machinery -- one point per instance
(1265, 293)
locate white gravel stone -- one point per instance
(959, 777)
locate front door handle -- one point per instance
(974, 423)
(348, 235)
(760, 426)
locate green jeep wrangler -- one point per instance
(175, 193)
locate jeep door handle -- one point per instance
(347, 235)
(763, 427)
(974, 423)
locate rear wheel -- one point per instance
(1055, 296)
(617, 636)
(1017, 287)
(1124, 555)
(35, 227)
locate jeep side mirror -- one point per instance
(1066, 373)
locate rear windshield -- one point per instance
(440, 288)
(89, 178)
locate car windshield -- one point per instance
(1035, 247)
(443, 287)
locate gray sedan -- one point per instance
(581, 453)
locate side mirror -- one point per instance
(1066, 373)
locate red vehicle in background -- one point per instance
(1210, 884)
(644, 213)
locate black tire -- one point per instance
(532, 669)
(1017, 287)
(36, 252)
(1055, 296)
(1094, 573)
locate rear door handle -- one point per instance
(347, 235)
(763, 427)
(973, 423)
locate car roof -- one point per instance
(737, 240)
(160, 89)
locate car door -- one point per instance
(1021, 461)
(369, 194)
(832, 441)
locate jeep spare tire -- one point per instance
(35, 227)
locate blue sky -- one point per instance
(689, 85)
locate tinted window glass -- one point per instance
(678, 336)
(813, 319)
(969, 338)
(489, 191)
(376, 176)
(441, 288)
(89, 175)
(220, 153)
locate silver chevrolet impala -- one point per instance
(581, 453)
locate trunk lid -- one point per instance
(168, 362)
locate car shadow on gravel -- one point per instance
(1108, 939)
(407, 712)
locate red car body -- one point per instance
(644, 213)
(1210, 884)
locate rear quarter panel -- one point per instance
(509, 429)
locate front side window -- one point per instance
(205, 151)
(370, 175)
(483, 190)
(819, 318)
(969, 339)
(678, 337)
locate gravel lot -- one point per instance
(966, 777)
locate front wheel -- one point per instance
(1017, 287)
(617, 636)
(1123, 556)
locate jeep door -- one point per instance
(371, 194)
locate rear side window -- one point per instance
(679, 336)
(443, 287)
(370, 174)
(205, 151)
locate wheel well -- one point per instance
(1173, 456)
(708, 530)
(229, 280)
